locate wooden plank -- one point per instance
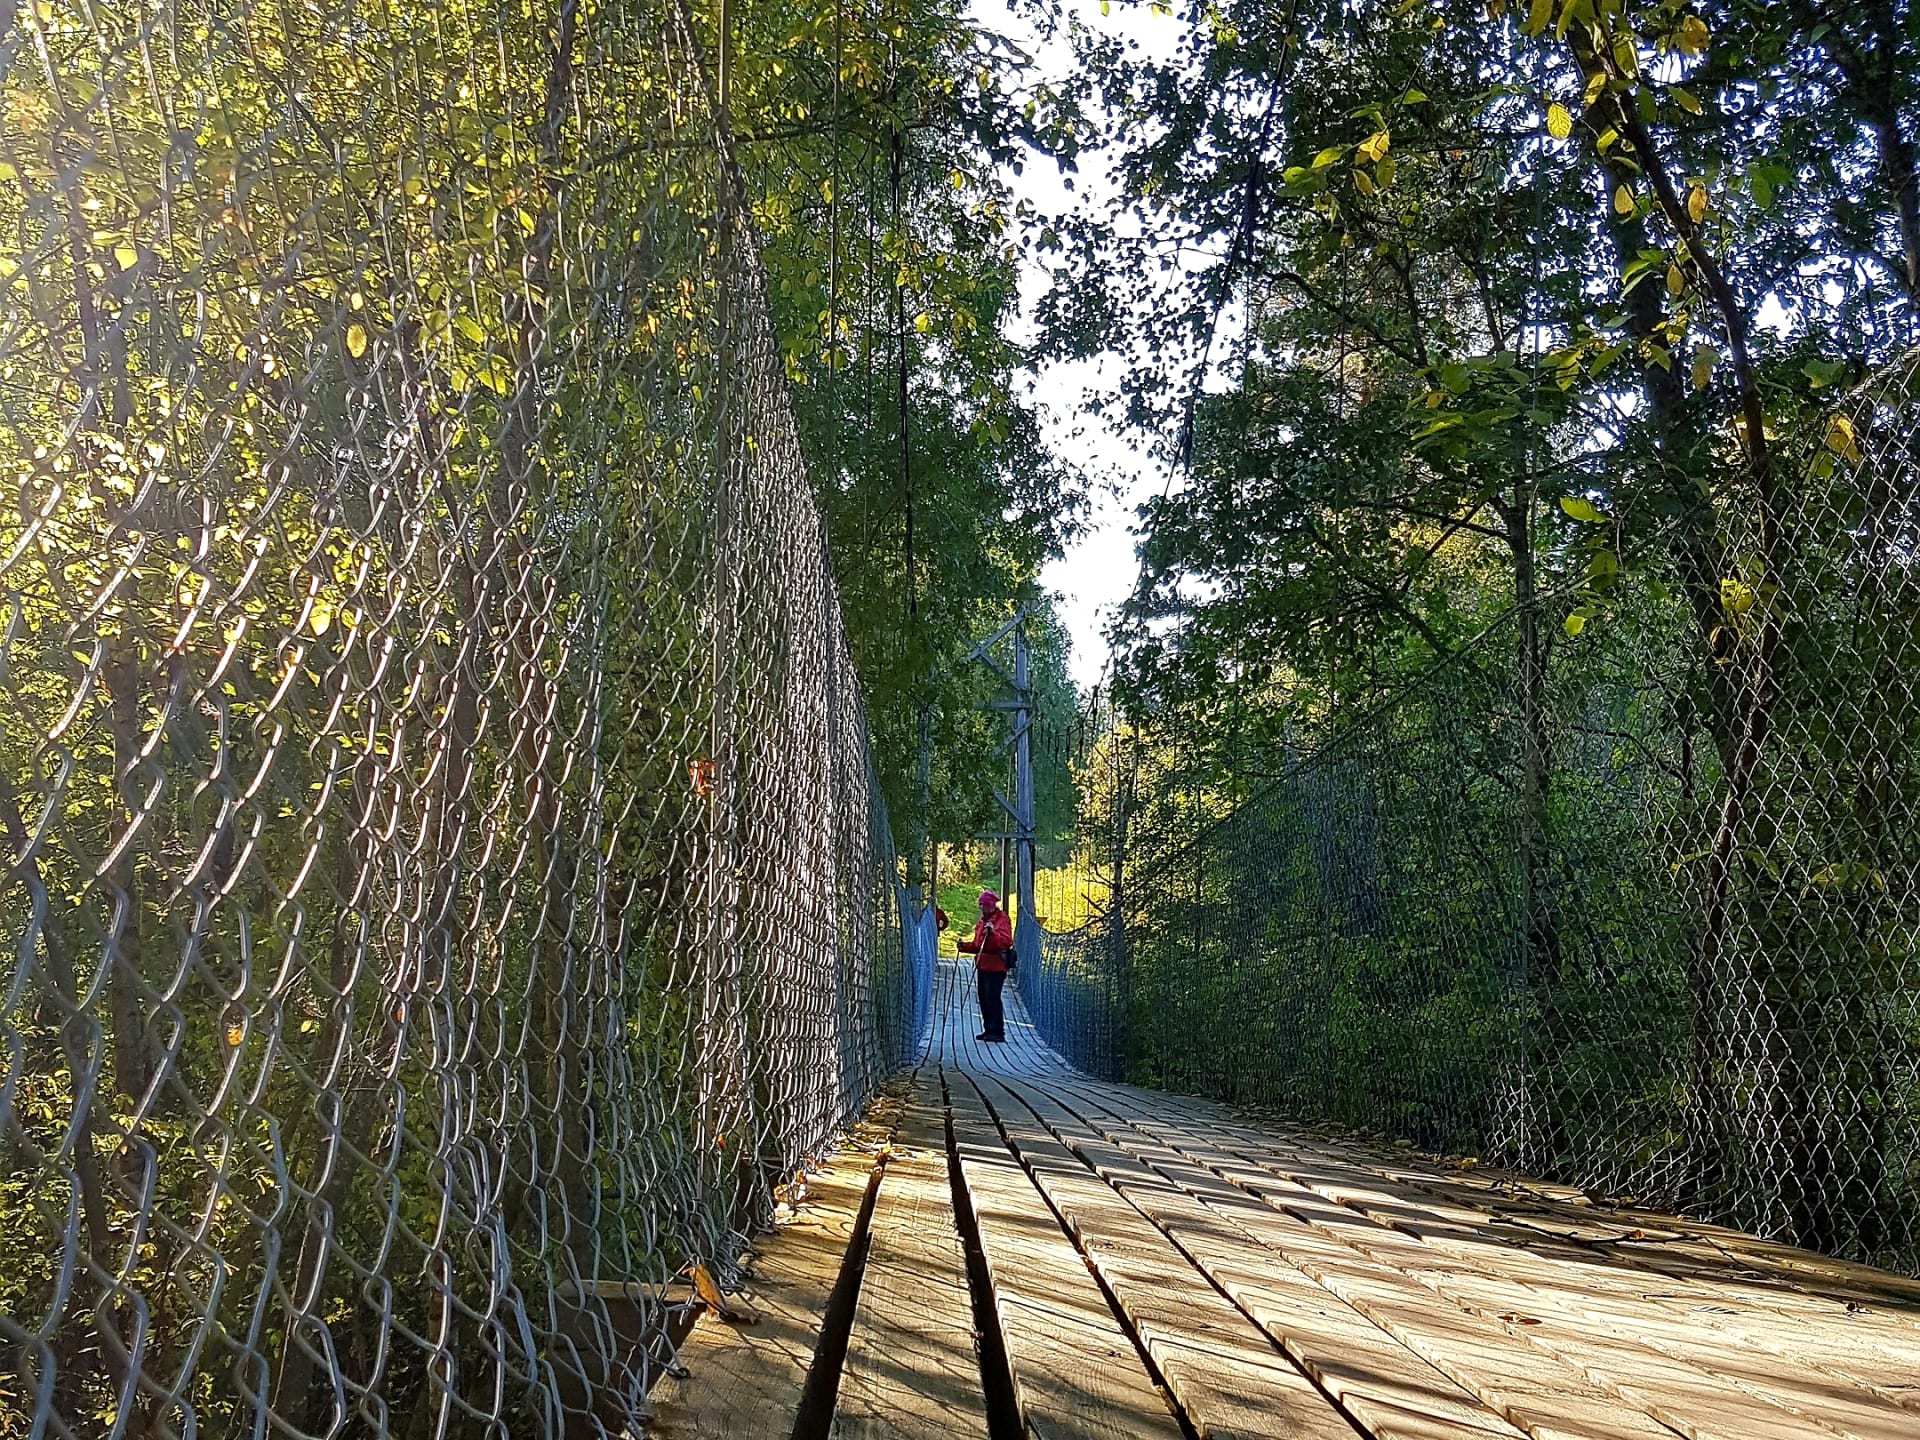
(1076, 1375)
(1025, 1053)
(912, 1368)
(1858, 1343)
(1837, 1320)
(743, 1382)
(1872, 1354)
(1767, 1357)
(1639, 1353)
(960, 1018)
(1526, 1387)
(1225, 1371)
(1391, 1390)
(957, 1021)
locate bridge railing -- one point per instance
(921, 935)
(1074, 996)
(1682, 967)
(446, 890)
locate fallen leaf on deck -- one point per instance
(710, 1296)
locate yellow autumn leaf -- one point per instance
(321, 618)
(1575, 623)
(708, 1292)
(1596, 87)
(356, 340)
(1842, 440)
(710, 1296)
(1691, 36)
(1584, 511)
(1559, 121)
(1623, 201)
(1705, 357)
(1696, 204)
(126, 256)
(1676, 282)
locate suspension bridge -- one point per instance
(459, 980)
(1014, 1247)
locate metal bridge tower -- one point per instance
(1016, 703)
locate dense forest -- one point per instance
(1519, 693)
(500, 496)
(878, 146)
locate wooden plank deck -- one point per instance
(744, 1378)
(912, 1369)
(1150, 1265)
(1075, 1371)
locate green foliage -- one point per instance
(869, 141)
(1505, 574)
(416, 627)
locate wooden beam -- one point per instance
(913, 1368)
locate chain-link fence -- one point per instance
(1074, 998)
(446, 888)
(1673, 954)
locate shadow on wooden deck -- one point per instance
(1037, 1252)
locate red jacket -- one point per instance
(991, 945)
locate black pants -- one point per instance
(993, 1013)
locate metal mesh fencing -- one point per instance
(1074, 1000)
(447, 891)
(1072, 980)
(1680, 965)
(921, 941)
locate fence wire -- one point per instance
(1683, 967)
(447, 890)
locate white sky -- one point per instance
(1099, 570)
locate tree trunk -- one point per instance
(1541, 948)
(1749, 663)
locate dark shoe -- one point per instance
(994, 1039)
(983, 1036)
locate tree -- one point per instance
(869, 142)
(1543, 311)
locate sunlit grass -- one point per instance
(1065, 898)
(1068, 897)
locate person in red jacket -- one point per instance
(992, 951)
